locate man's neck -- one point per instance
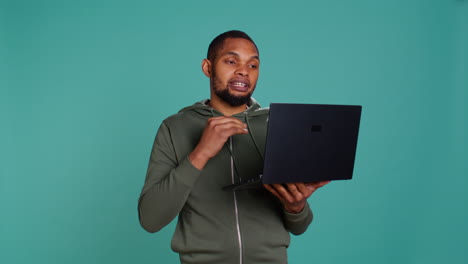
(225, 108)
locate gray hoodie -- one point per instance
(214, 225)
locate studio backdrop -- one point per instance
(84, 85)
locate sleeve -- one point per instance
(167, 185)
(298, 223)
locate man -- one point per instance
(212, 144)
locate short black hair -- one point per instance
(218, 42)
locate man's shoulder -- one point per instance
(178, 118)
(188, 115)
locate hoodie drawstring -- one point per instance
(252, 136)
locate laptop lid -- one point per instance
(311, 142)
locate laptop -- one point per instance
(308, 143)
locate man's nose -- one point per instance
(242, 70)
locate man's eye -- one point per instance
(253, 66)
(230, 62)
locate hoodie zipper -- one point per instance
(235, 206)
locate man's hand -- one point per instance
(293, 196)
(216, 133)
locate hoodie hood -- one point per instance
(202, 108)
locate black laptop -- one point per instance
(308, 143)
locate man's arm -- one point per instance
(169, 183)
(293, 196)
(216, 133)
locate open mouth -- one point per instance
(239, 85)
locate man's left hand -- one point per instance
(294, 196)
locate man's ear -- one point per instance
(206, 67)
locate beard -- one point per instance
(225, 94)
(231, 99)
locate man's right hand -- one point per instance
(217, 131)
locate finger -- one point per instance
(224, 119)
(283, 192)
(219, 120)
(316, 185)
(304, 189)
(230, 128)
(321, 184)
(294, 190)
(272, 190)
(225, 125)
(235, 130)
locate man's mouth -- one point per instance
(239, 85)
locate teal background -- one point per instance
(84, 86)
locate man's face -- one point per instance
(234, 71)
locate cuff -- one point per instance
(188, 172)
(299, 217)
